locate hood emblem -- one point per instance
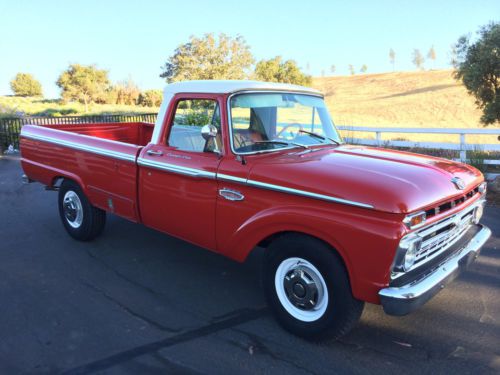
(458, 182)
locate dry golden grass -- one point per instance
(428, 99)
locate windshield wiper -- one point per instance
(282, 143)
(319, 136)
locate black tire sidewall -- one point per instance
(334, 274)
(83, 232)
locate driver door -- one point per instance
(177, 188)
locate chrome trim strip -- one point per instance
(226, 177)
(436, 280)
(191, 172)
(283, 189)
(229, 120)
(307, 194)
(80, 147)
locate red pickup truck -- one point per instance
(235, 165)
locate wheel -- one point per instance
(308, 290)
(82, 221)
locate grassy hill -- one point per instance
(12, 106)
(403, 99)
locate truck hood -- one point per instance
(388, 180)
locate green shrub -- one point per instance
(150, 98)
(476, 158)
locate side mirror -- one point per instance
(208, 131)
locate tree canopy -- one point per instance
(276, 70)
(418, 59)
(392, 57)
(478, 67)
(209, 57)
(25, 84)
(84, 83)
(150, 98)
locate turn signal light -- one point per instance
(415, 220)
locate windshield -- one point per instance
(272, 121)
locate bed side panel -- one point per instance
(106, 170)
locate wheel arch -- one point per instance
(246, 242)
(265, 242)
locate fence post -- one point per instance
(463, 149)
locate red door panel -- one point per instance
(178, 192)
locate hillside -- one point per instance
(402, 99)
(12, 106)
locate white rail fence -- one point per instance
(462, 146)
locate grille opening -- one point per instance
(451, 204)
(439, 231)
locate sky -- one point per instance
(133, 39)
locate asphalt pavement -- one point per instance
(136, 301)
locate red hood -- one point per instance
(390, 181)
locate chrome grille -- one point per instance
(441, 235)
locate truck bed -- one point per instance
(101, 157)
(136, 133)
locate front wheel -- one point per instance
(308, 290)
(81, 220)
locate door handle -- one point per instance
(231, 195)
(154, 153)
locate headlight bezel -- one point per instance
(406, 253)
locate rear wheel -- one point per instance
(308, 290)
(81, 220)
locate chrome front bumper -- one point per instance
(404, 299)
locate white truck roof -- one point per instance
(230, 86)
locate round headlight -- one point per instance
(410, 256)
(409, 246)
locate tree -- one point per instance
(209, 57)
(453, 55)
(418, 59)
(276, 70)
(150, 98)
(363, 69)
(332, 69)
(392, 57)
(351, 69)
(479, 70)
(126, 92)
(431, 55)
(84, 83)
(25, 84)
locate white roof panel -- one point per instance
(230, 86)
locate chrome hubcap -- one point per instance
(72, 208)
(301, 289)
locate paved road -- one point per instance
(138, 302)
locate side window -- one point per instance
(190, 116)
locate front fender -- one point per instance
(365, 242)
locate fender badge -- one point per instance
(458, 182)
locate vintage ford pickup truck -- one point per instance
(235, 165)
